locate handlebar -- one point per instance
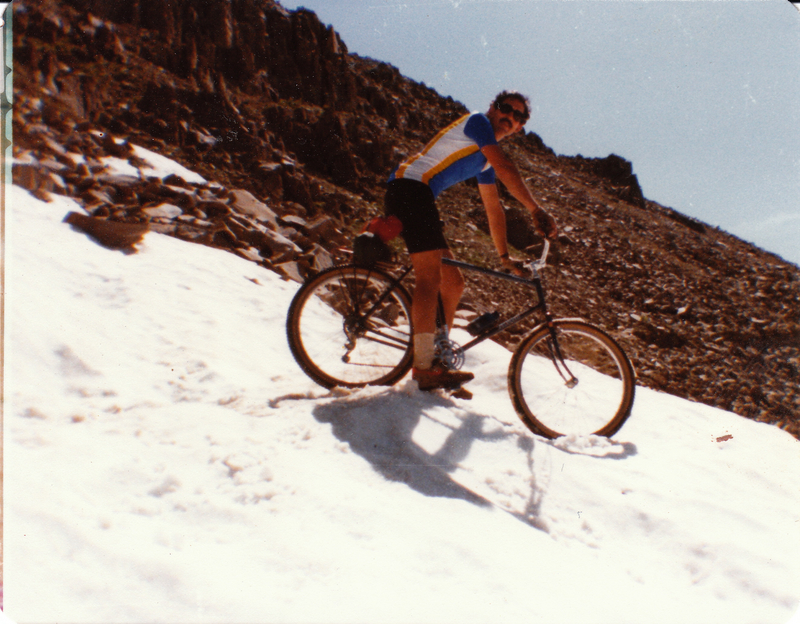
(533, 265)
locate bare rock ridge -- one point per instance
(295, 137)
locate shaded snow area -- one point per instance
(167, 461)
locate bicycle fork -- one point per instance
(558, 357)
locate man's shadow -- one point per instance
(380, 429)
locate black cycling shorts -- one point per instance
(414, 204)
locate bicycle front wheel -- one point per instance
(349, 326)
(579, 383)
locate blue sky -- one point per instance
(702, 97)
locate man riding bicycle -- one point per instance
(465, 149)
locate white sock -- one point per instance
(423, 351)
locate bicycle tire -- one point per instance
(342, 333)
(600, 399)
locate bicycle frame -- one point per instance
(535, 281)
(541, 305)
(352, 326)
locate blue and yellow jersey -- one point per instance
(452, 156)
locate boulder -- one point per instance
(244, 202)
(213, 209)
(325, 230)
(33, 176)
(290, 271)
(163, 211)
(111, 234)
(279, 246)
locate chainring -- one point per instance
(448, 352)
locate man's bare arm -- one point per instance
(497, 226)
(510, 176)
(496, 217)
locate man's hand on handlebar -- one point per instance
(545, 224)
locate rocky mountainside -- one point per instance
(296, 137)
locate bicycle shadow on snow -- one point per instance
(380, 428)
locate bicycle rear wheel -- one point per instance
(588, 390)
(348, 326)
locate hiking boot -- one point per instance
(437, 376)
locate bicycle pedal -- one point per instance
(456, 391)
(461, 393)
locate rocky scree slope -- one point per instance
(297, 136)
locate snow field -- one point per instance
(166, 460)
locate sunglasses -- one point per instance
(507, 109)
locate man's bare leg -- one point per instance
(427, 280)
(451, 287)
(431, 278)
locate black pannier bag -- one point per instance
(369, 247)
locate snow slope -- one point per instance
(167, 461)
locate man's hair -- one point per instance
(514, 95)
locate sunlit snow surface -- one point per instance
(166, 460)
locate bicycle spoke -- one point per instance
(350, 326)
(582, 385)
(389, 341)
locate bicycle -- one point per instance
(350, 326)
